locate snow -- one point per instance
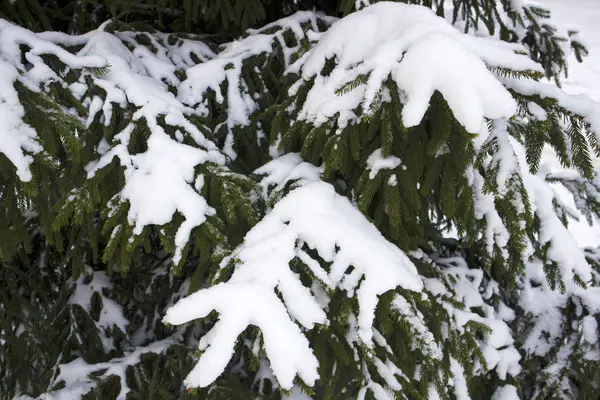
(157, 181)
(421, 332)
(583, 79)
(506, 392)
(583, 15)
(546, 306)
(226, 66)
(326, 222)
(563, 248)
(376, 162)
(211, 74)
(76, 374)
(288, 167)
(461, 391)
(422, 53)
(17, 139)
(387, 372)
(158, 184)
(12, 36)
(495, 231)
(504, 159)
(509, 159)
(111, 313)
(240, 305)
(294, 24)
(575, 103)
(168, 57)
(498, 347)
(590, 329)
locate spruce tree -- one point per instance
(251, 199)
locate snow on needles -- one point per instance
(227, 67)
(18, 141)
(16, 137)
(422, 53)
(157, 181)
(79, 376)
(314, 215)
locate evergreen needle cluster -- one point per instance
(297, 199)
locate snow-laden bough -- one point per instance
(422, 52)
(317, 216)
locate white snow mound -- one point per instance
(423, 53)
(317, 216)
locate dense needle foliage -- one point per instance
(333, 233)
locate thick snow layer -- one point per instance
(326, 222)
(247, 303)
(422, 53)
(211, 74)
(576, 103)
(376, 162)
(158, 180)
(158, 183)
(289, 167)
(16, 137)
(12, 37)
(18, 141)
(506, 392)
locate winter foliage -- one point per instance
(285, 203)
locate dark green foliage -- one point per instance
(224, 17)
(67, 229)
(232, 17)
